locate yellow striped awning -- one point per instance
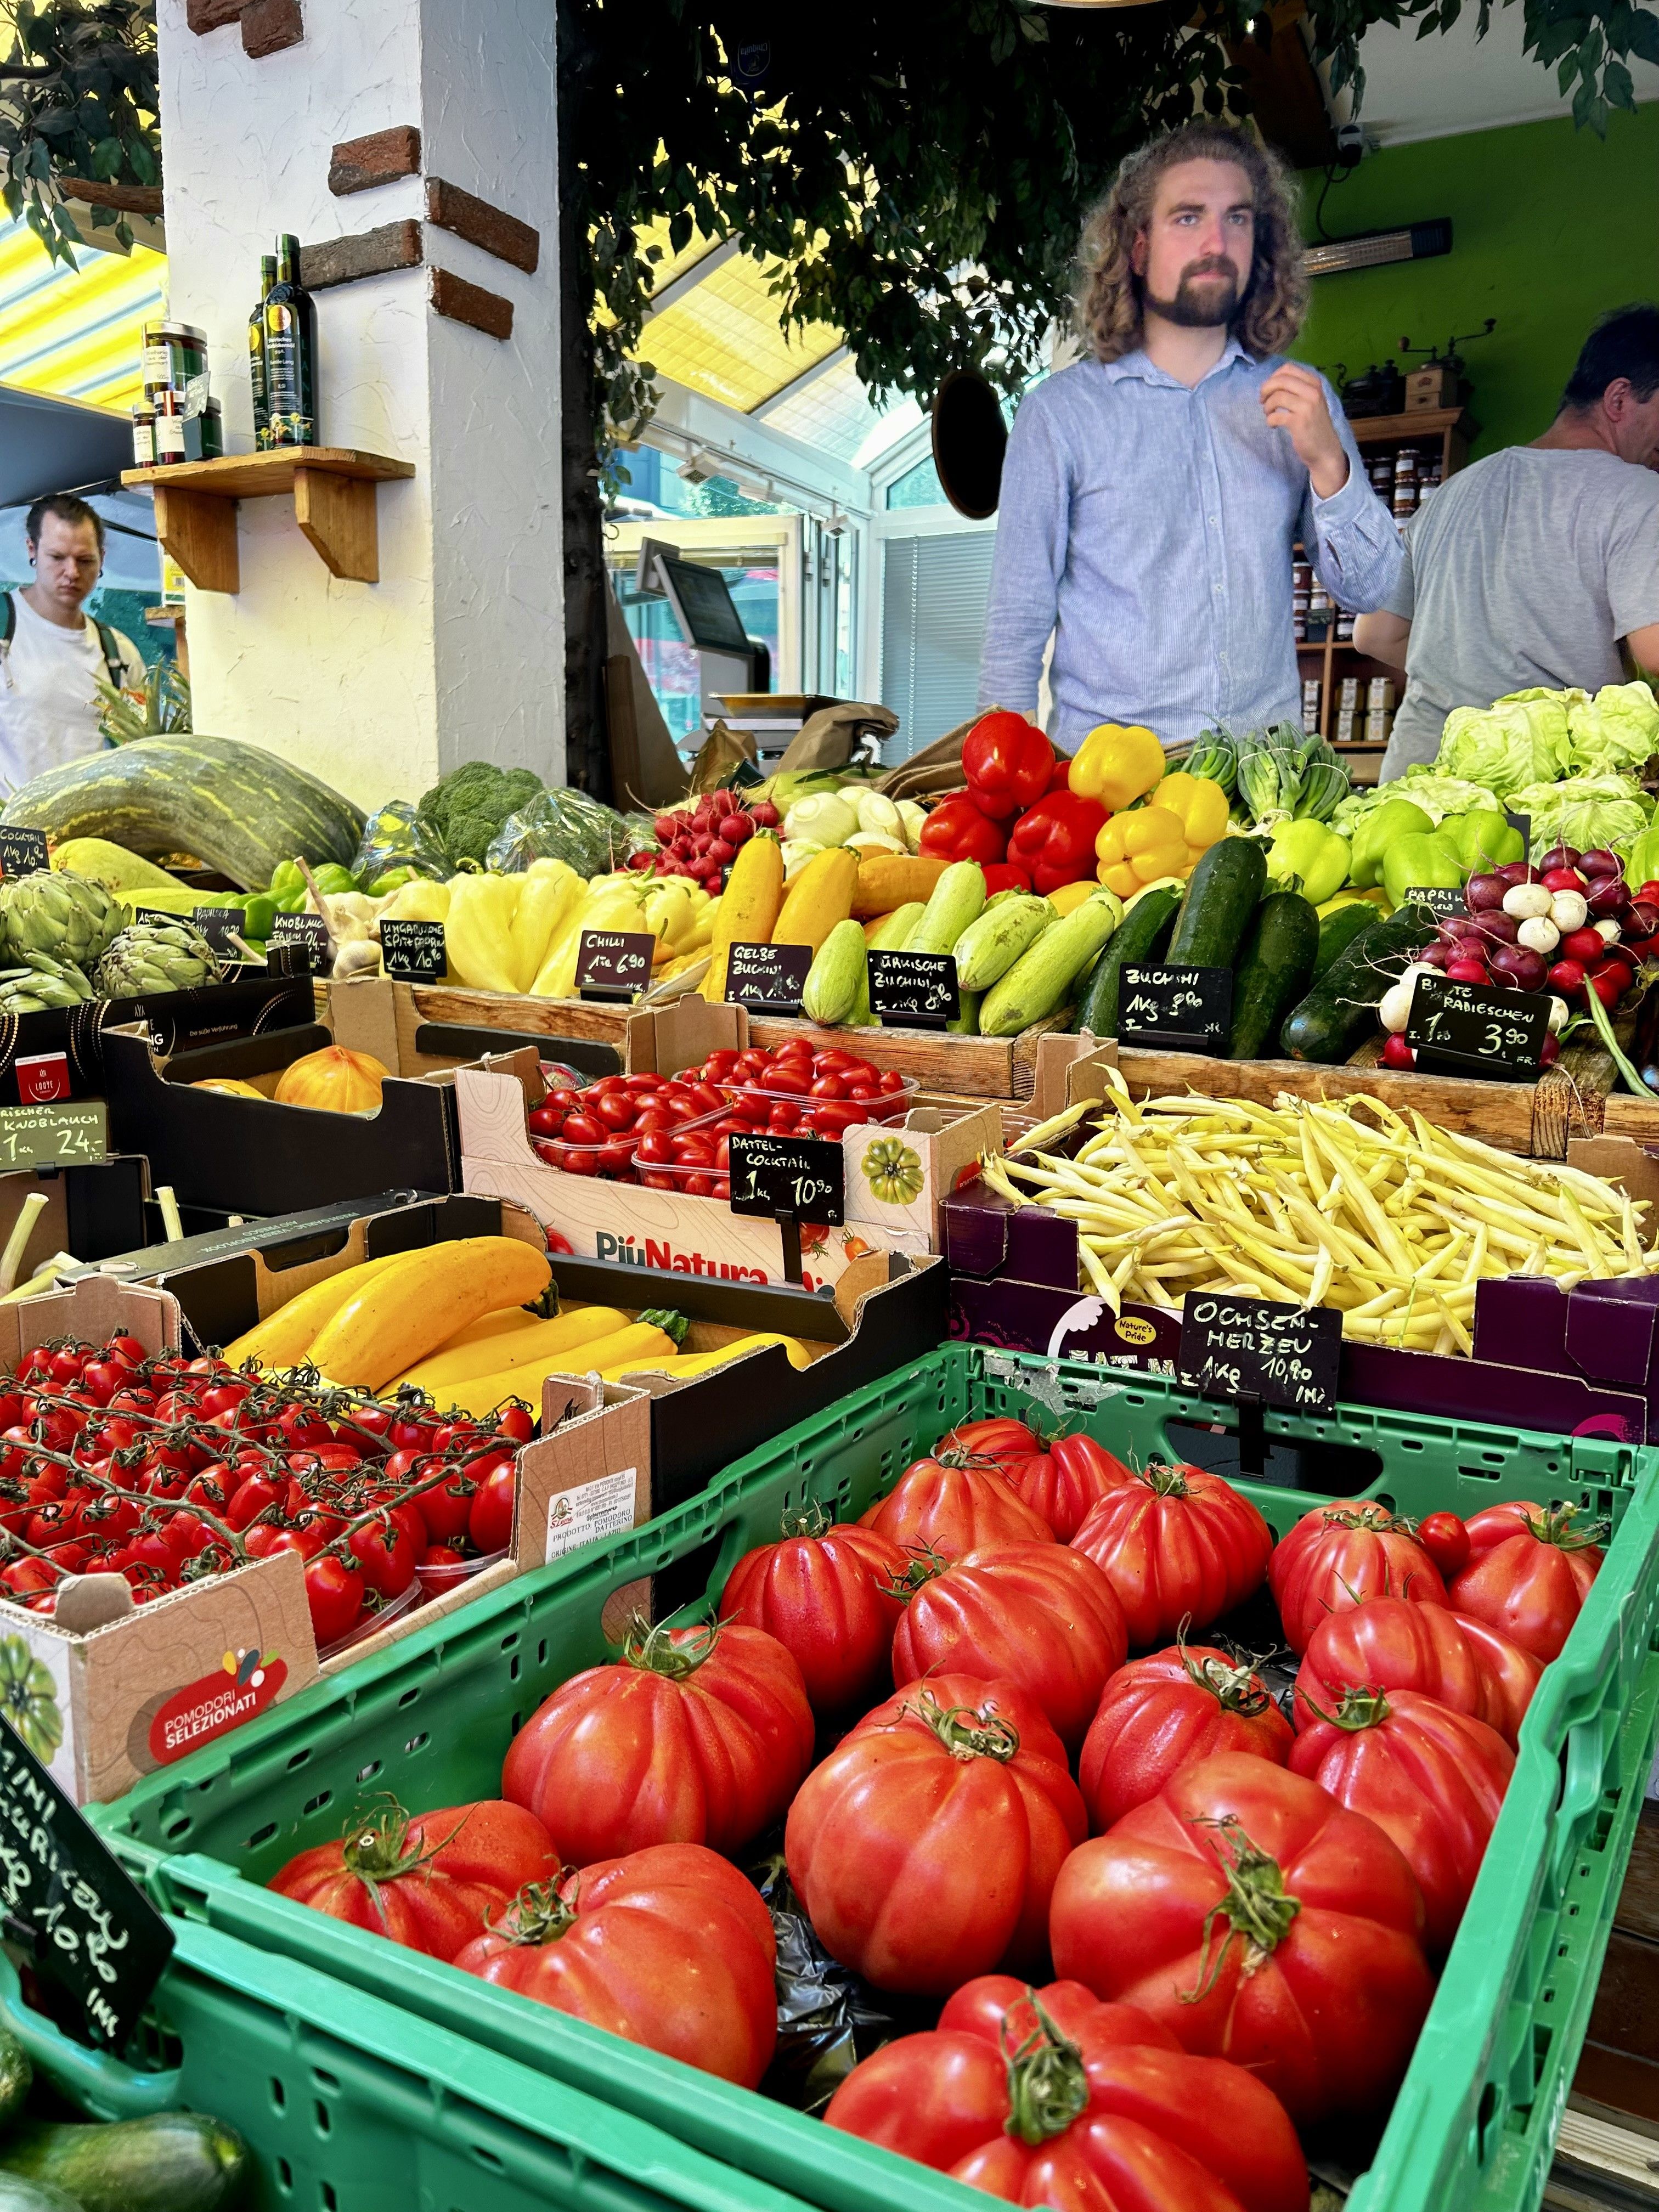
(74, 332)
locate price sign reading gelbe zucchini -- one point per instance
(614, 963)
(1477, 1032)
(770, 978)
(63, 1133)
(1260, 1349)
(804, 1176)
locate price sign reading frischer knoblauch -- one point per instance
(1259, 1348)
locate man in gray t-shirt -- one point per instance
(1533, 566)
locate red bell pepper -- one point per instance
(1001, 876)
(1007, 764)
(1061, 778)
(957, 830)
(1055, 840)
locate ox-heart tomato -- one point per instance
(1340, 1554)
(697, 1735)
(1047, 2097)
(925, 1848)
(826, 1592)
(1389, 1644)
(670, 1946)
(1431, 1778)
(1164, 1713)
(1261, 1921)
(1060, 1477)
(1529, 1572)
(1179, 1545)
(429, 1881)
(950, 1507)
(1035, 1614)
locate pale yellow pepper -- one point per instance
(478, 930)
(1117, 763)
(612, 909)
(1134, 849)
(1198, 803)
(420, 899)
(552, 891)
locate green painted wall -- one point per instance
(1550, 227)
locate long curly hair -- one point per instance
(1110, 294)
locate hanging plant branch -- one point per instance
(78, 100)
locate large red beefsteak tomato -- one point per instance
(1261, 1921)
(925, 1846)
(1431, 1778)
(825, 1591)
(1037, 1614)
(1047, 2097)
(1178, 1545)
(1529, 1572)
(669, 1947)
(697, 1735)
(428, 1880)
(1162, 1713)
(1389, 1644)
(1061, 1477)
(1340, 1554)
(950, 1507)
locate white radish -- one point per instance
(1394, 1010)
(1558, 1015)
(1540, 934)
(1608, 932)
(1525, 901)
(1568, 910)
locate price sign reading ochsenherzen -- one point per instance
(305, 933)
(63, 1133)
(804, 1176)
(23, 851)
(1439, 898)
(914, 990)
(1260, 1349)
(614, 963)
(770, 977)
(1482, 1032)
(96, 1939)
(1187, 1009)
(412, 952)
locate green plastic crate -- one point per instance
(431, 1719)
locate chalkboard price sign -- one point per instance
(1442, 900)
(63, 1133)
(412, 952)
(1179, 1009)
(306, 934)
(914, 990)
(614, 963)
(1260, 1349)
(215, 923)
(97, 1942)
(1472, 1031)
(769, 978)
(22, 852)
(804, 1176)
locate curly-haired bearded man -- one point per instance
(1154, 491)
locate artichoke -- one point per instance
(68, 916)
(41, 981)
(156, 955)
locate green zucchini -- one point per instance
(17, 2073)
(1222, 894)
(17, 2195)
(1338, 931)
(1341, 1007)
(1139, 941)
(170, 2162)
(1274, 971)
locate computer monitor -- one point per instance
(703, 605)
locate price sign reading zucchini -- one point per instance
(63, 1133)
(22, 852)
(804, 1176)
(1260, 1349)
(770, 978)
(412, 952)
(1474, 1032)
(1180, 1009)
(914, 990)
(614, 963)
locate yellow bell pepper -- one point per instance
(1198, 803)
(552, 891)
(478, 930)
(1133, 850)
(1117, 763)
(612, 909)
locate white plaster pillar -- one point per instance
(457, 652)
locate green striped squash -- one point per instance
(235, 807)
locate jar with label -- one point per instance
(170, 444)
(204, 437)
(143, 435)
(174, 354)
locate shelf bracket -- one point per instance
(199, 533)
(338, 515)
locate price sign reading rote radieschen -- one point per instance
(306, 934)
(97, 1942)
(804, 1176)
(770, 978)
(1260, 1349)
(413, 951)
(63, 1133)
(1475, 1032)
(1181, 1009)
(22, 852)
(614, 963)
(914, 990)
(1442, 900)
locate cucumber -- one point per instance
(1274, 971)
(1338, 931)
(1139, 942)
(1222, 894)
(170, 2162)
(1341, 1007)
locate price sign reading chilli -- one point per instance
(1469, 1031)
(614, 963)
(770, 978)
(1181, 1009)
(914, 990)
(1260, 1349)
(63, 1133)
(97, 1942)
(804, 1176)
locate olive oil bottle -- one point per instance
(290, 320)
(256, 356)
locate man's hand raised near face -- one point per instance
(1294, 400)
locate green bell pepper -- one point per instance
(1378, 831)
(288, 887)
(1425, 859)
(1309, 857)
(1482, 838)
(258, 916)
(333, 881)
(392, 880)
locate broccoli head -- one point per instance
(469, 804)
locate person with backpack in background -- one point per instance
(52, 654)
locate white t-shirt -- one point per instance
(49, 693)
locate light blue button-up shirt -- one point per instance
(1149, 526)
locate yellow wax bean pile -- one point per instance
(1339, 1203)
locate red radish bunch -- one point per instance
(704, 841)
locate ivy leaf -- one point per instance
(1618, 85)
(1643, 34)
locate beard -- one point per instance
(1197, 308)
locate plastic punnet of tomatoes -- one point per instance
(601, 1129)
(797, 1089)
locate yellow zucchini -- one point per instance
(633, 1346)
(820, 896)
(545, 1340)
(284, 1338)
(701, 1363)
(402, 1315)
(748, 907)
(505, 1321)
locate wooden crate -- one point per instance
(593, 1020)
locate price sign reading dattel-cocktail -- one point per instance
(1260, 1349)
(1469, 1031)
(1179, 1009)
(804, 1176)
(22, 852)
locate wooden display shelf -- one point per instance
(334, 504)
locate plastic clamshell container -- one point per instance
(584, 1159)
(1474, 2125)
(890, 1106)
(438, 1581)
